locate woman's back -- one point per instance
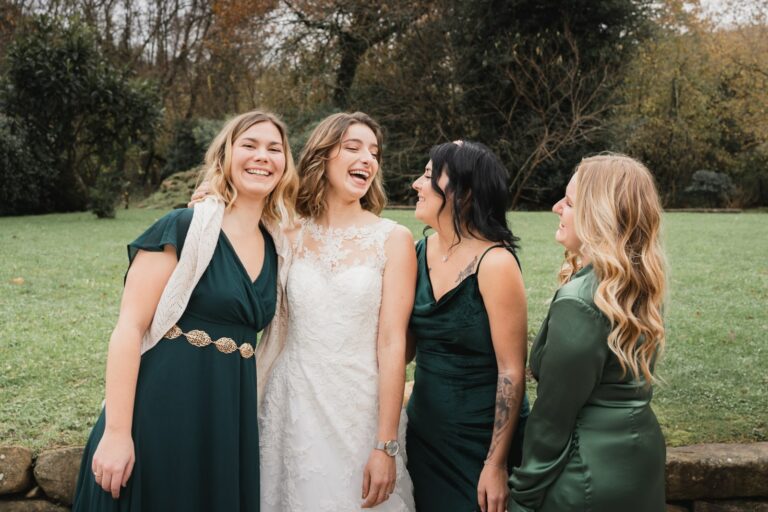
(593, 442)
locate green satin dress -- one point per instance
(195, 428)
(592, 442)
(452, 407)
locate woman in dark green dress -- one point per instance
(592, 441)
(179, 430)
(468, 330)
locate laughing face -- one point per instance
(258, 160)
(429, 202)
(353, 163)
(564, 208)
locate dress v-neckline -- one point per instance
(239, 261)
(448, 292)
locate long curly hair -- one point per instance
(310, 201)
(618, 221)
(217, 171)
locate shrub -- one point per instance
(22, 176)
(191, 139)
(709, 188)
(83, 113)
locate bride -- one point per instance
(333, 377)
(328, 421)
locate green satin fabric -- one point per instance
(195, 428)
(592, 442)
(452, 407)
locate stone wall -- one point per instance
(700, 478)
(44, 484)
(718, 478)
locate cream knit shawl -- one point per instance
(196, 255)
(199, 245)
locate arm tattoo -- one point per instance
(508, 397)
(467, 271)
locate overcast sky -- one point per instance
(730, 12)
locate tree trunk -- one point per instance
(352, 50)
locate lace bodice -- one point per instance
(319, 416)
(334, 249)
(334, 289)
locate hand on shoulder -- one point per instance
(200, 193)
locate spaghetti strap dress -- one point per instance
(195, 427)
(452, 407)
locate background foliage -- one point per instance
(80, 114)
(108, 98)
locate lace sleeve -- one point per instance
(384, 229)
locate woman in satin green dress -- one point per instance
(592, 441)
(179, 430)
(468, 330)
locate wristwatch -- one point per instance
(390, 447)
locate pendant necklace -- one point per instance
(448, 254)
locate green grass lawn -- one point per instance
(55, 325)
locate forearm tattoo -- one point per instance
(508, 396)
(467, 271)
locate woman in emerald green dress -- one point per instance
(468, 330)
(592, 441)
(179, 430)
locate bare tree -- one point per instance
(564, 104)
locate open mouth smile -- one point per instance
(360, 176)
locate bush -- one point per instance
(105, 193)
(22, 176)
(709, 188)
(83, 113)
(191, 139)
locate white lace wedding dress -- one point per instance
(318, 418)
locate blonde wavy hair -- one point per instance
(313, 184)
(217, 170)
(618, 221)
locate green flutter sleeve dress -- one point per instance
(452, 407)
(592, 442)
(195, 429)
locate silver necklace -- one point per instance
(448, 254)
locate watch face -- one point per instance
(392, 447)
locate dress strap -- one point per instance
(477, 268)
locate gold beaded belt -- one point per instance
(202, 339)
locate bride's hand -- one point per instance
(200, 193)
(378, 478)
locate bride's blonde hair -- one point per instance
(618, 221)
